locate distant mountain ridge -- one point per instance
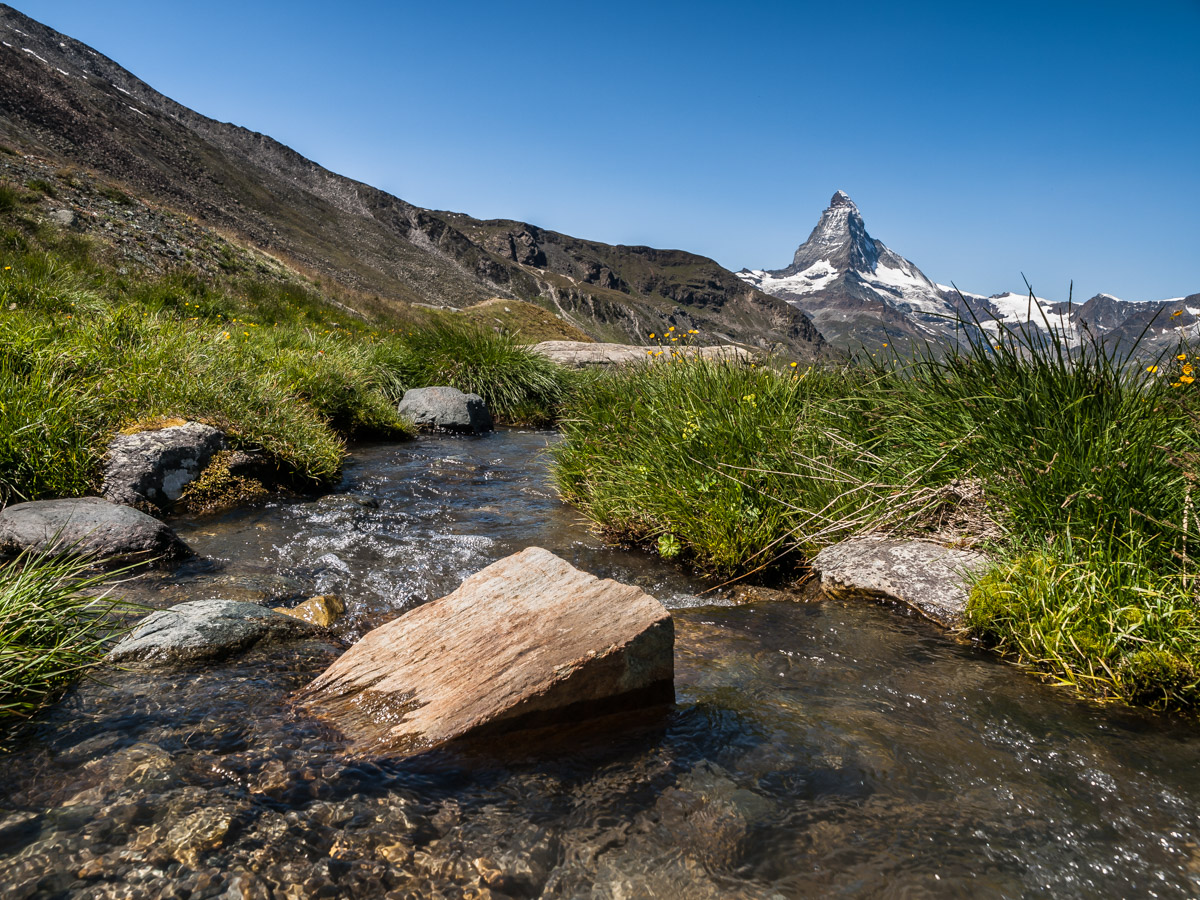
(62, 99)
(860, 293)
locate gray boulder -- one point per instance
(153, 467)
(930, 578)
(88, 525)
(446, 409)
(205, 629)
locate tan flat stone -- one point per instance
(526, 642)
(322, 611)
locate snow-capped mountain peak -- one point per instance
(844, 276)
(860, 293)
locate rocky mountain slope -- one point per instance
(65, 102)
(862, 294)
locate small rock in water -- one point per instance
(322, 610)
(930, 578)
(528, 641)
(88, 525)
(446, 409)
(204, 629)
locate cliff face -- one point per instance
(63, 100)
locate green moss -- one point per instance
(217, 488)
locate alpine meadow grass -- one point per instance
(1079, 464)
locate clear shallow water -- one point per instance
(815, 749)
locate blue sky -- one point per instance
(980, 140)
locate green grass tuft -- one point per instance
(54, 626)
(518, 386)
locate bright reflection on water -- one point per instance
(816, 750)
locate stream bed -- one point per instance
(815, 750)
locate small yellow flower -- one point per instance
(794, 365)
(1186, 368)
(1151, 369)
(672, 328)
(1178, 312)
(1181, 356)
(652, 334)
(7, 268)
(885, 345)
(1186, 379)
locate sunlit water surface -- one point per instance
(820, 749)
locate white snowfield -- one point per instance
(900, 286)
(817, 276)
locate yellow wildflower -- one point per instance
(794, 365)
(1181, 356)
(1151, 369)
(1186, 379)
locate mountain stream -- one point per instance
(816, 749)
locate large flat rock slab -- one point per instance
(205, 630)
(930, 578)
(88, 525)
(526, 642)
(581, 354)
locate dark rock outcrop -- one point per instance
(527, 642)
(88, 525)
(153, 467)
(446, 409)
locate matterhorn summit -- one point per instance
(855, 289)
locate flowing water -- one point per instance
(820, 749)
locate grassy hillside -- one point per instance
(65, 102)
(145, 316)
(526, 322)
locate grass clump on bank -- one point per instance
(518, 386)
(1110, 624)
(729, 467)
(1079, 464)
(54, 626)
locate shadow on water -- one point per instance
(814, 749)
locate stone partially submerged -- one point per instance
(153, 467)
(203, 630)
(446, 409)
(930, 578)
(528, 641)
(88, 526)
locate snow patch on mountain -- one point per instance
(816, 277)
